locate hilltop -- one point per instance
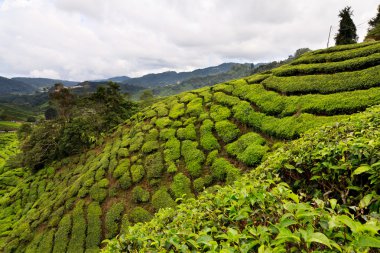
(185, 143)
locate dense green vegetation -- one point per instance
(319, 193)
(169, 152)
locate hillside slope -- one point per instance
(293, 202)
(9, 86)
(179, 146)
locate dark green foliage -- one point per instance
(94, 229)
(226, 130)
(61, 238)
(194, 157)
(125, 180)
(162, 199)
(78, 234)
(154, 165)
(202, 182)
(187, 133)
(218, 112)
(139, 194)
(137, 173)
(220, 168)
(347, 29)
(207, 140)
(374, 27)
(181, 186)
(113, 218)
(80, 123)
(139, 214)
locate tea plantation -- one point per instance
(276, 193)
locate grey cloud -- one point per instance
(91, 39)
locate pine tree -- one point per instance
(374, 27)
(347, 29)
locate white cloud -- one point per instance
(47, 73)
(91, 39)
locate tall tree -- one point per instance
(347, 29)
(374, 27)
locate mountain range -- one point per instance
(27, 85)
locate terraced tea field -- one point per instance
(175, 148)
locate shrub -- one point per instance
(199, 184)
(167, 133)
(172, 168)
(243, 142)
(226, 130)
(112, 219)
(324, 83)
(207, 140)
(61, 238)
(122, 168)
(46, 243)
(187, 97)
(224, 99)
(330, 67)
(172, 150)
(194, 157)
(211, 157)
(163, 122)
(97, 193)
(136, 142)
(139, 194)
(162, 199)
(125, 181)
(162, 111)
(221, 168)
(154, 165)
(78, 234)
(195, 107)
(150, 146)
(177, 110)
(187, 133)
(122, 153)
(94, 229)
(137, 173)
(337, 56)
(139, 214)
(253, 154)
(219, 112)
(152, 135)
(181, 186)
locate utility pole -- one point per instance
(328, 40)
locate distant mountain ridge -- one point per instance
(172, 77)
(10, 86)
(44, 82)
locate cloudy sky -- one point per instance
(91, 39)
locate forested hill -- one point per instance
(316, 193)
